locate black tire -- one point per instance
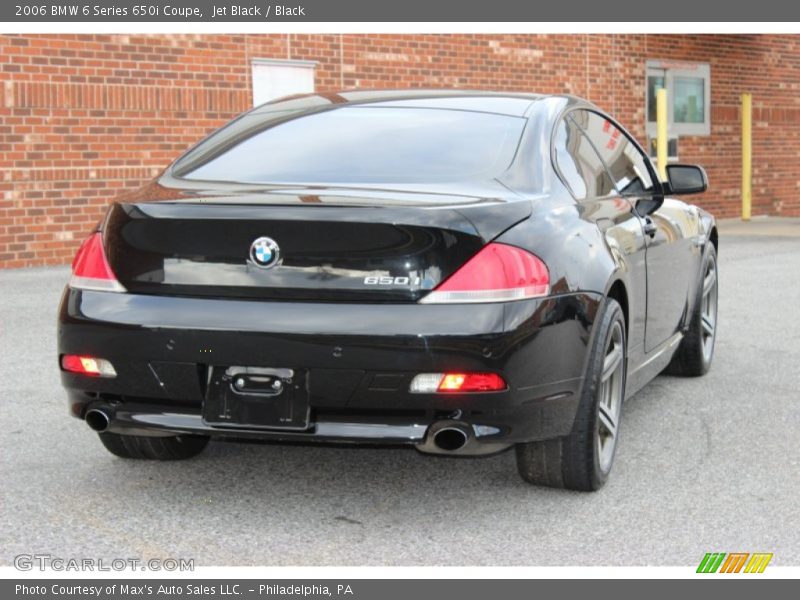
(574, 461)
(696, 350)
(177, 447)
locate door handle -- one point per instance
(650, 227)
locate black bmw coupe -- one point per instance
(463, 272)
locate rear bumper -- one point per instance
(358, 360)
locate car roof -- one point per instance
(507, 103)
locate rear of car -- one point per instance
(316, 272)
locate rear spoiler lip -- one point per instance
(486, 220)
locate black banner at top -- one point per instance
(453, 11)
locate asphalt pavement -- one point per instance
(705, 464)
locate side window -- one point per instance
(627, 165)
(580, 167)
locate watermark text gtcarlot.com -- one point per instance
(45, 562)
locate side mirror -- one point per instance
(686, 179)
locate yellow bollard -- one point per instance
(747, 155)
(661, 132)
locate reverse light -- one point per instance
(90, 268)
(88, 365)
(497, 273)
(445, 383)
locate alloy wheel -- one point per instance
(609, 398)
(708, 309)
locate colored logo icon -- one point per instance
(734, 562)
(265, 253)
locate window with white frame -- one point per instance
(688, 88)
(274, 78)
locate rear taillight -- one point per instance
(497, 273)
(87, 365)
(90, 268)
(444, 383)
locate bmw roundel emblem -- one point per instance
(265, 253)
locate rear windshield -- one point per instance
(358, 144)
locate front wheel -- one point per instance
(176, 447)
(582, 460)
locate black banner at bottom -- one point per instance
(377, 589)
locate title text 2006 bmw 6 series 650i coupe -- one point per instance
(463, 272)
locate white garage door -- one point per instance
(275, 78)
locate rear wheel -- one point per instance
(177, 447)
(582, 460)
(696, 351)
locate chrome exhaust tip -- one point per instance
(97, 419)
(450, 439)
(458, 438)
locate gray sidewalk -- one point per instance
(758, 226)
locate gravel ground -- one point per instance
(704, 464)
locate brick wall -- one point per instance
(83, 118)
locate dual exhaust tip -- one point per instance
(450, 438)
(461, 439)
(97, 419)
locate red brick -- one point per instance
(85, 117)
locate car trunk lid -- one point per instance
(334, 244)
